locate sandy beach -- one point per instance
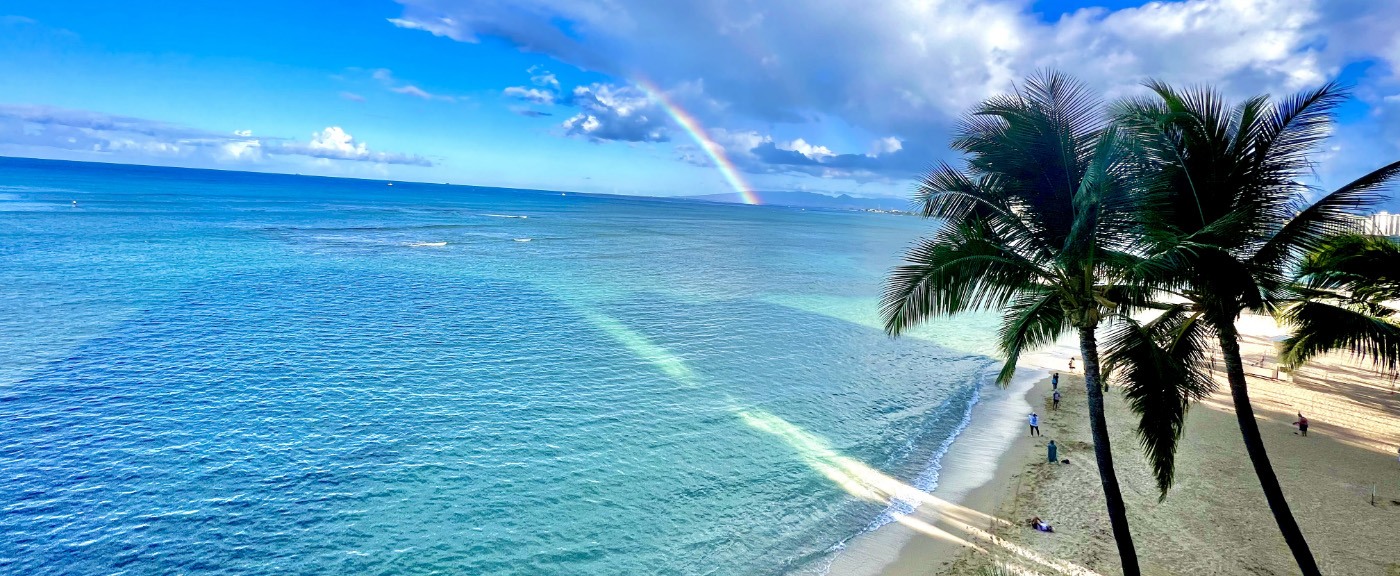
(1214, 521)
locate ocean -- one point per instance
(233, 373)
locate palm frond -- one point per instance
(1331, 215)
(962, 268)
(1159, 365)
(1034, 318)
(1298, 124)
(1320, 327)
(1365, 268)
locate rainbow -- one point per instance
(692, 126)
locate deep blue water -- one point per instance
(218, 372)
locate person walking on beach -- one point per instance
(1302, 424)
(1035, 424)
(1071, 363)
(1055, 381)
(1056, 398)
(1051, 452)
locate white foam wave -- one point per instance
(426, 244)
(927, 480)
(506, 215)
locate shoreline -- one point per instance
(1215, 519)
(974, 474)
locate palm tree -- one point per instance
(1229, 222)
(1346, 292)
(1029, 228)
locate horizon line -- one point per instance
(449, 184)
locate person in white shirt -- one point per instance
(1035, 424)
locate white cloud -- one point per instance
(335, 140)
(441, 27)
(886, 145)
(386, 77)
(910, 68)
(138, 139)
(412, 90)
(535, 95)
(609, 112)
(801, 146)
(243, 150)
(334, 143)
(541, 77)
(739, 142)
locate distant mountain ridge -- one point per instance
(799, 199)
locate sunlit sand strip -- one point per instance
(862, 481)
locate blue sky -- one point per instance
(839, 96)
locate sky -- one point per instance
(680, 97)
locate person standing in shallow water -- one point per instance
(1052, 452)
(1035, 424)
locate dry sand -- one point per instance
(1214, 521)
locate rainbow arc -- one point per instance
(714, 151)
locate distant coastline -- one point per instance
(804, 199)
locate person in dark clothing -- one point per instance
(1055, 381)
(1302, 424)
(1056, 398)
(1050, 451)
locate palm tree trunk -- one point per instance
(1254, 444)
(1098, 427)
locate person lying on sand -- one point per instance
(1040, 525)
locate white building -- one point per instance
(1382, 224)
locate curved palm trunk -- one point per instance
(1254, 444)
(1098, 427)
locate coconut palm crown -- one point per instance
(1226, 226)
(1029, 228)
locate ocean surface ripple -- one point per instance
(226, 373)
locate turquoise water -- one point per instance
(216, 372)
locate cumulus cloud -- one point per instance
(335, 143)
(608, 112)
(908, 69)
(242, 150)
(138, 138)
